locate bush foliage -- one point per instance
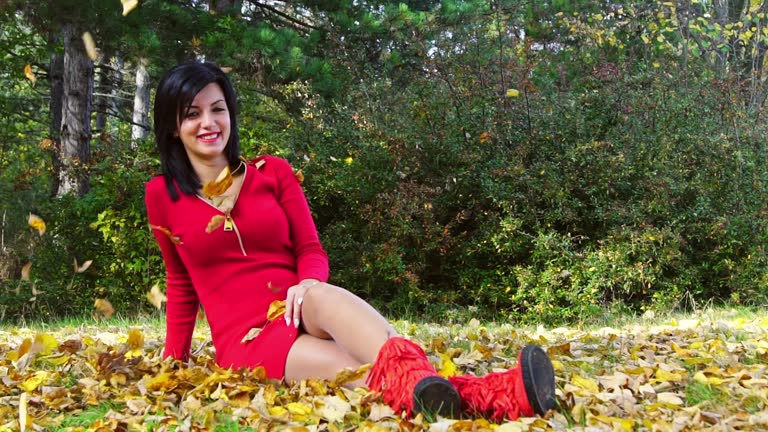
(538, 175)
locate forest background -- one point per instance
(543, 161)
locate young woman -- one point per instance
(239, 250)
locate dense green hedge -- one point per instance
(606, 181)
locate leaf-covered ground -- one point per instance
(705, 372)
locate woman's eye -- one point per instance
(191, 114)
(219, 109)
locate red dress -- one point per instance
(237, 274)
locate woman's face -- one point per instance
(205, 127)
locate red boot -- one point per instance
(522, 391)
(409, 382)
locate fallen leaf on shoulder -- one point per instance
(220, 185)
(276, 308)
(251, 335)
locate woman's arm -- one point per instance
(182, 304)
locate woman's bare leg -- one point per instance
(312, 357)
(332, 312)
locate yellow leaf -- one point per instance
(299, 176)
(129, 5)
(90, 46)
(25, 271)
(447, 366)
(135, 339)
(215, 222)
(349, 160)
(37, 223)
(156, 297)
(105, 307)
(276, 308)
(512, 93)
(29, 74)
(44, 344)
(220, 185)
(299, 411)
(33, 382)
(664, 376)
(585, 383)
(84, 267)
(277, 411)
(485, 137)
(347, 375)
(251, 335)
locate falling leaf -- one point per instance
(276, 309)
(37, 223)
(84, 267)
(29, 74)
(25, 271)
(220, 185)
(299, 176)
(44, 344)
(105, 307)
(252, 333)
(513, 93)
(174, 239)
(215, 222)
(485, 137)
(156, 297)
(346, 376)
(226, 69)
(90, 46)
(129, 5)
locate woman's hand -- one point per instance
(294, 299)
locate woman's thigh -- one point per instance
(313, 357)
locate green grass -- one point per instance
(89, 416)
(703, 394)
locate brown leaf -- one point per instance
(37, 223)
(220, 185)
(215, 222)
(25, 271)
(300, 176)
(174, 239)
(29, 74)
(71, 346)
(251, 335)
(156, 297)
(105, 307)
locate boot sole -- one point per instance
(538, 378)
(435, 395)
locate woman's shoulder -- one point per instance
(155, 185)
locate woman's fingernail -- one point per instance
(296, 322)
(287, 320)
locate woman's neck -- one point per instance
(208, 170)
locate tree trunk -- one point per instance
(141, 103)
(76, 114)
(56, 72)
